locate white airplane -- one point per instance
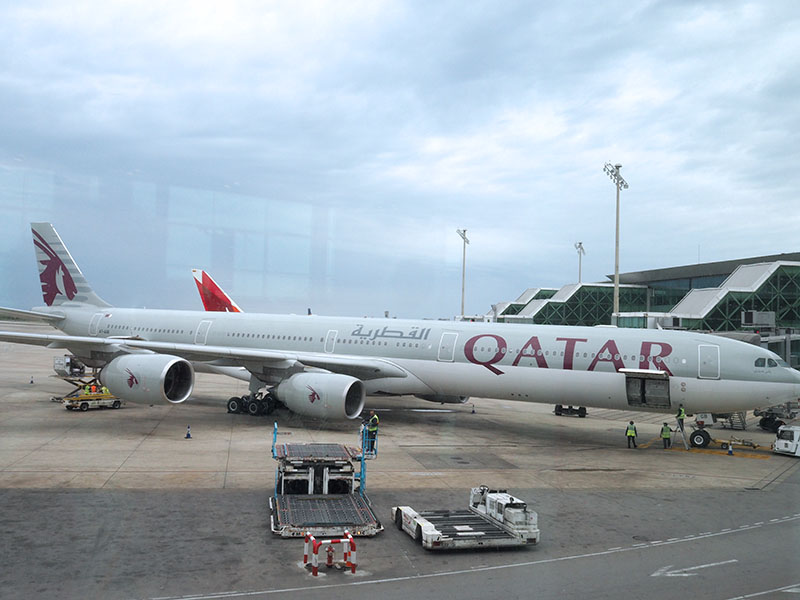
(325, 366)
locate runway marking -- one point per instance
(237, 594)
(793, 589)
(665, 571)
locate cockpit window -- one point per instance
(771, 363)
(761, 362)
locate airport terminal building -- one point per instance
(758, 295)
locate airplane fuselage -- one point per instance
(587, 366)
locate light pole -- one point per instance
(613, 172)
(463, 234)
(581, 252)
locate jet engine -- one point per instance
(444, 399)
(322, 395)
(149, 378)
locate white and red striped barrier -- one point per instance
(348, 552)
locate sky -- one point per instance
(322, 154)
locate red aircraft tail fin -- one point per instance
(213, 297)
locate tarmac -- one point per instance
(120, 504)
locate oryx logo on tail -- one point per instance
(53, 273)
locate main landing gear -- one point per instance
(570, 410)
(254, 404)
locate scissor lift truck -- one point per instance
(318, 490)
(787, 440)
(493, 519)
(73, 371)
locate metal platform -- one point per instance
(315, 452)
(463, 524)
(295, 515)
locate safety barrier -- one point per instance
(313, 544)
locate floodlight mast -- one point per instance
(613, 172)
(581, 252)
(463, 234)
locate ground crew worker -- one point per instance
(87, 390)
(104, 390)
(630, 432)
(666, 435)
(94, 388)
(681, 416)
(372, 430)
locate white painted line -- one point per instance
(665, 571)
(615, 549)
(543, 561)
(723, 530)
(656, 542)
(759, 523)
(787, 588)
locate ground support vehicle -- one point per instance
(71, 370)
(86, 401)
(787, 440)
(319, 491)
(560, 410)
(774, 417)
(493, 519)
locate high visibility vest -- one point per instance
(631, 432)
(86, 390)
(666, 432)
(373, 423)
(681, 413)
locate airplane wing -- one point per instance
(254, 359)
(29, 315)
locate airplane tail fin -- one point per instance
(213, 297)
(62, 280)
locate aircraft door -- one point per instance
(330, 340)
(447, 346)
(202, 333)
(647, 389)
(94, 324)
(708, 361)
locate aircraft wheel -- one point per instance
(766, 423)
(582, 412)
(777, 424)
(84, 406)
(254, 408)
(116, 404)
(235, 405)
(700, 438)
(558, 410)
(270, 405)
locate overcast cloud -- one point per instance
(323, 153)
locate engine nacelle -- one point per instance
(149, 378)
(444, 399)
(322, 395)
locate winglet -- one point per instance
(213, 297)
(62, 280)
